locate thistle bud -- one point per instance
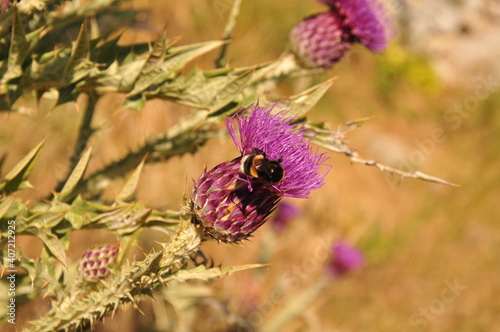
(95, 264)
(321, 40)
(232, 200)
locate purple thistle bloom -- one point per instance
(95, 263)
(278, 139)
(230, 205)
(284, 213)
(345, 258)
(321, 40)
(368, 21)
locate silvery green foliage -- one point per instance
(63, 47)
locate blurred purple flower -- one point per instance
(345, 258)
(4, 5)
(95, 263)
(229, 205)
(284, 213)
(321, 40)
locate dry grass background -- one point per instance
(417, 237)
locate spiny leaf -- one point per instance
(193, 90)
(229, 92)
(75, 176)
(179, 56)
(18, 50)
(152, 71)
(80, 213)
(44, 220)
(30, 265)
(5, 206)
(16, 177)
(47, 70)
(201, 272)
(123, 219)
(128, 73)
(79, 64)
(131, 184)
(52, 243)
(303, 102)
(5, 22)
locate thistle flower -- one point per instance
(321, 40)
(230, 205)
(284, 213)
(345, 258)
(95, 263)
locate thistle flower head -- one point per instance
(228, 204)
(95, 263)
(345, 258)
(367, 20)
(273, 134)
(321, 40)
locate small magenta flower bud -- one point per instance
(232, 200)
(96, 263)
(345, 258)
(321, 40)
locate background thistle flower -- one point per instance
(95, 263)
(345, 258)
(229, 205)
(321, 40)
(285, 212)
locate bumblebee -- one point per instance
(258, 166)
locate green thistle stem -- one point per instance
(295, 307)
(82, 308)
(228, 30)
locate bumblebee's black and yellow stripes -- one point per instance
(258, 166)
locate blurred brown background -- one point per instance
(422, 241)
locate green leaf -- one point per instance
(52, 243)
(17, 176)
(107, 80)
(131, 184)
(203, 273)
(123, 219)
(230, 91)
(5, 206)
(152, 71)
(5, 22)
(193, 90)
(129, 73)
(136, 102)
(18, 50)
(178, 57)
(45, 220)
(80, 214)
(47, 70)
(30, 265)
(304, 101)
(79, 64)
(156, 71)
(76, 175)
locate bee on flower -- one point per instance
(233, 199)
